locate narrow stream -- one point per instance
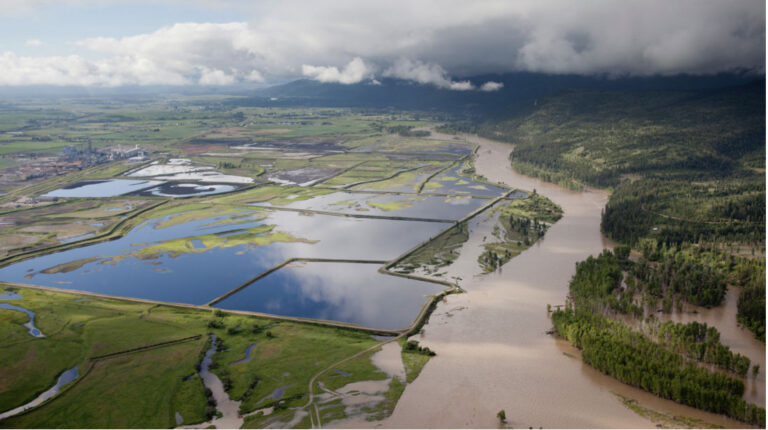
(33, 331)
(492, 350)
(65, 378)
(230, 409)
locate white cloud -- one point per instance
(430, 41)
(424, 73)
(491, 86)
(462, 86)
(215, 77)
(354, 72)
(33, 43)
(254, 76)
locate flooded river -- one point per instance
(493, 352)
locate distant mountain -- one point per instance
(519, 90)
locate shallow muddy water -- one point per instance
(738, 338)
(492, 350)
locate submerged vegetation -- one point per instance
(519, 224)
(661, 359)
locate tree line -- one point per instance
(664, 361)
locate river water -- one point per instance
(493, 352)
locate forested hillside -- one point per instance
(686, 170)
(599, 137)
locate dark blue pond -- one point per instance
(348, 292)
(198, 275)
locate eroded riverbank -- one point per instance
(493, 352)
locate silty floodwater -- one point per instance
(178, 271)
(492, 350)
(65, 378)
(349, 292)
(230, 409)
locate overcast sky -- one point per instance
(199, 42)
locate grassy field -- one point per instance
(150, 385)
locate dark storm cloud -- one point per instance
(424, 41)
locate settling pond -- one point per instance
(421, 206)
(196, 261)
(354, 293)
(102, 188)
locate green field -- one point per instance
(152, 385)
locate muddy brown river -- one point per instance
(493, 352)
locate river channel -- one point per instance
(492, 350)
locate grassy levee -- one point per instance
(392, 176)
(430, 177)
(117, 231)
(145, 347)
(318, 322)
(352, 167)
